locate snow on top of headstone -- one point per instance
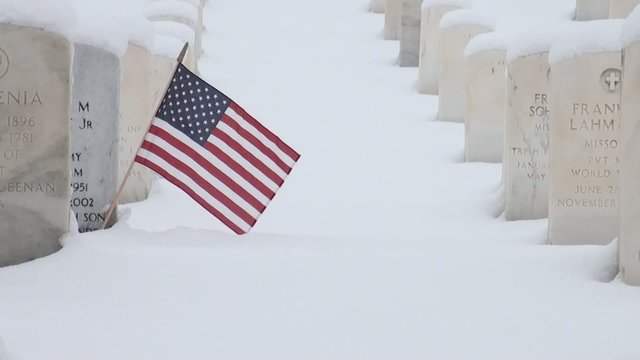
(588, 37)
(168, 46)
(58, 16)
(631, 29)
(534, 41)
(141, 31)
(180, 31)
(97, 26)
(457, 3)
(194, 2)
(178, 8)
(467, 17)
(487, 42)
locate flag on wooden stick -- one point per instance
(208, 146)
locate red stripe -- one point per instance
(264, 131)
(255, 142)
(211, 168)
(161, 171)
(180, 166)
(248, 156)
(250, 178)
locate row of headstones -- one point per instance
(53, 169)
(559, 114)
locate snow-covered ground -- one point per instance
(381, 245)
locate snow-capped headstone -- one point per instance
(629, 191)
(410, 34)
(181, 12)
(585, 120)
(592, 9)
(486, 96)
(456, 29)
(377, 6)
(182, 32)
(429, 59)
(526, 169)
(620, 9)
(392, 19)
(35, 70)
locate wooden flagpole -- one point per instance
(114, 203)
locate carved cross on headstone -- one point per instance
(612, 80)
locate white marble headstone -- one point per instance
(95, 129)
(35, 72)
(485, 110)
(452, 77)
(136, 111)
(526, 169)
(583, 156)
(410, 34)
(620, 9)
(592, 9)
(392, 19)
(429, 59)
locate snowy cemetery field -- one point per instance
(383, 243)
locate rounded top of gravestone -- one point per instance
(588, 37)
(177, 30)
(167, 46)
(453, 3)
(58, 17)
(97, 26)
(179, 8)
(631, 29)
(468, 17)
(533, 41)
(487, 42)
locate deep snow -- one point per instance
(381, 245)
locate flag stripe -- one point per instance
(268, 134)
(226, 125)
(219, 159)
(248, 156)
(193, 158)
(263, 141)
(236, 162)
(202, 184)
(164, 172)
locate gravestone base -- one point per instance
(485, 118)
(410, 34)
(583, 186)
(35, 68)
(429, 62)
(452, 80)
(526, 169)
(592, 9)
(392, 19)
(94, 129)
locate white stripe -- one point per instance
(184, 139)
(143, 153)
(252, 149)
(244, 163)
(206, 175)
(260, 136)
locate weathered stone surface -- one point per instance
(377, 6)
(629, 222)
(429, 59)
(135, 114)
(94, 128)
(452, 78)
(410, 34)
(162, 69)
(526, 168)
(485, 117)
(392, 19)
(592, 9)
(35, 70)
(583, 156)
(620, 9)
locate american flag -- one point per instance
(208, 146)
